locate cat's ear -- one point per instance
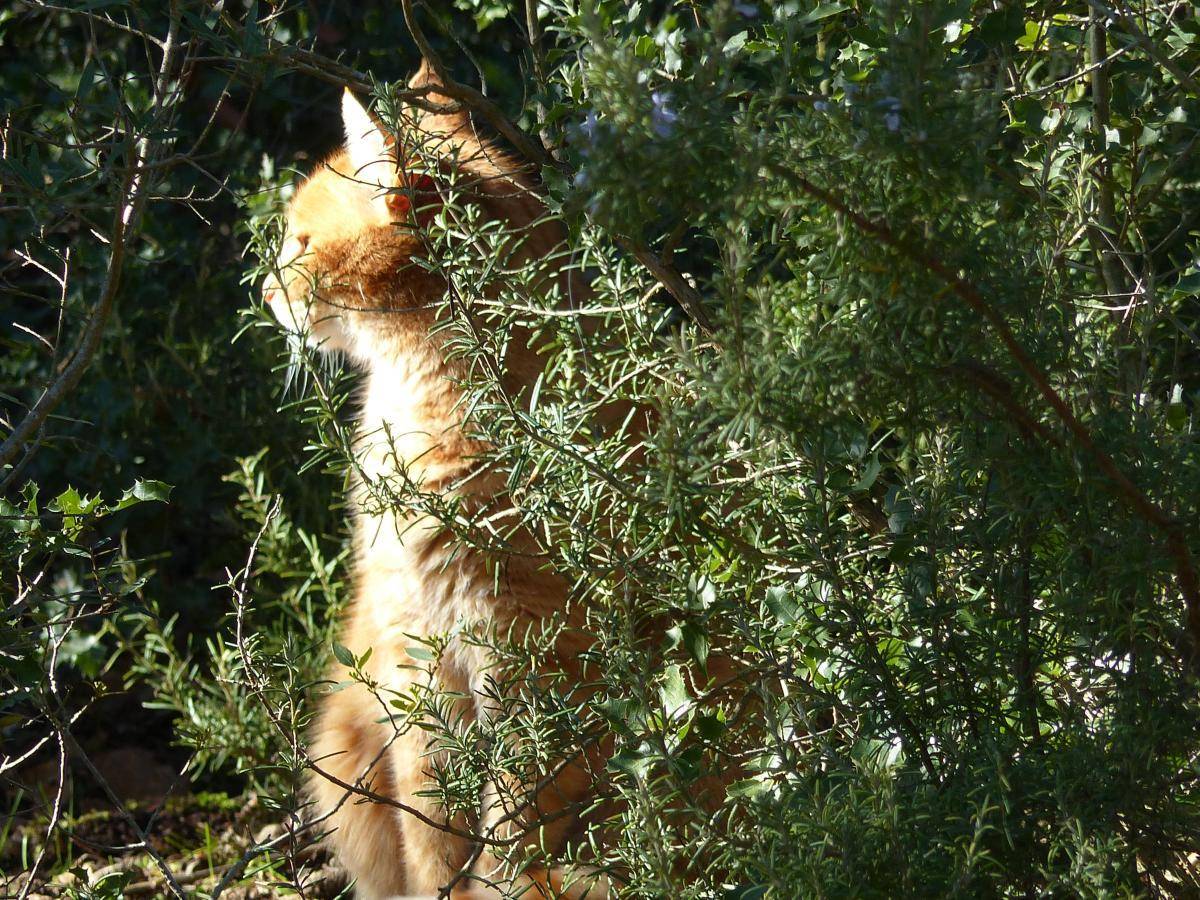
(366, 144)
(439, 123)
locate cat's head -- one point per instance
(346, 277)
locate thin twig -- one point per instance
(119, 805)
(60, 789)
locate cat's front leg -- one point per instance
(436, 846)
(349, 748)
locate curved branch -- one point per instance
(495, 117)
(1122, 485)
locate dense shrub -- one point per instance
(910, 290)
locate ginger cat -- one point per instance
(347, 281)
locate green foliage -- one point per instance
(904, 556)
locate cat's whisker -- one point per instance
(295, 366)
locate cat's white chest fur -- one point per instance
(400, 428)
(403, 553)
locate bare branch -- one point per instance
(134, 190)
(69, 374)
(143, 838)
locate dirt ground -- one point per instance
(128, 809)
